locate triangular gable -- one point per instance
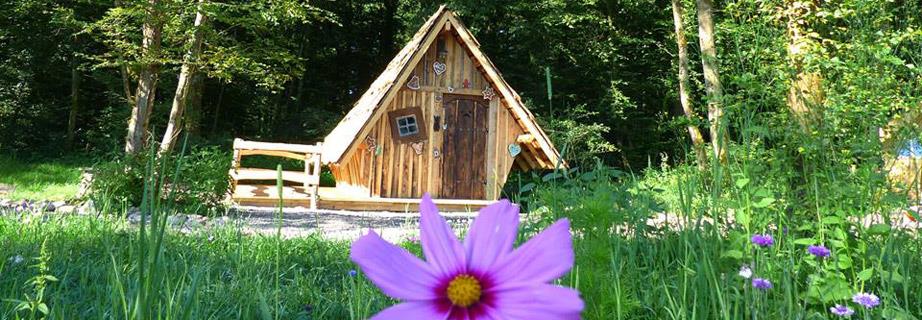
(339, 144)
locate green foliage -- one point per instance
(201, 187)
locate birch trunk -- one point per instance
(147, 81)
(712, 84)
(693, 131)
(805, 96)
(74, 107)
(186, 74)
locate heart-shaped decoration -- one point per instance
(439, 67)
(514, 149)
(488, 93)
(413, 83)
(417, 147)
(466, 84)
(378, 150)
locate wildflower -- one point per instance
(761, 284)
(818, 251)
(866, 300)
(745, 272)
(763, 240)
(842, 311)
(481, 278)
(353, 273)
(17, 259)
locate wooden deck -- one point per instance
(337, 199)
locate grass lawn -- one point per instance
(104, 270)
(40, 179)
(80, 267)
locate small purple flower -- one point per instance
(761, 284)
(866, 300)
(842, 311)
(818, 251)
(353, 273)
(763, 240)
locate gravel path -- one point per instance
(338, 224)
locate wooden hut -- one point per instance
(440, 119)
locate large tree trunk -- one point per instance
(185, 80)
(74, 107)
(805, 96)
(712, 84)
(147, 81)
(693, 131)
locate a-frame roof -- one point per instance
(343, 140)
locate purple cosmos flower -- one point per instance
(867, 300)
(481, 278)
(842, 311)
(818, 251)
(761, 283)
(763, 240)
(745, 272)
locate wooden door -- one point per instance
(464, 147)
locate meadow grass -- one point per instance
(101, 267)
(38, 179)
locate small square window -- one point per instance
(406, 126)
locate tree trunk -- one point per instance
(712, 84)
(805, 96)
(193, 121)
(693, 131)
(74, 107)
(217, 108)
(185, 80)
(126, 84)
(147, 81)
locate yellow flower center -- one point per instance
(464, 290)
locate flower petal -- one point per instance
(412, 310)
(491, 235)
(543, 301)
(440, 245)
(547, 256)
(396, 271)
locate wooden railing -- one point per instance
(310, 154)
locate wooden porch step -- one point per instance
(268, 195)
(269, 174)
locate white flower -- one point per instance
(17, 259)
(745, 272)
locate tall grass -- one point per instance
(683, 267)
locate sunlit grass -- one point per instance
(40, 179)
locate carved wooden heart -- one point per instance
(413, 83)
(439, 67)
(417, 147)
(514, 149)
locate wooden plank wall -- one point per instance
(398, 172)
